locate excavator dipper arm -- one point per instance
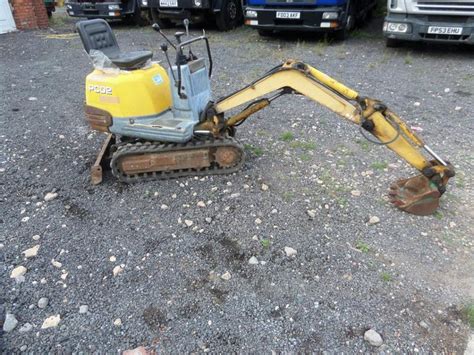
(418, 195)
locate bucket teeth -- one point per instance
(416, 195)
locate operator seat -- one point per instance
(97, 34)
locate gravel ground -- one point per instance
(186, 288)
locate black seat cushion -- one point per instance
(96, 34)
(131, 60)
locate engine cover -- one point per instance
(129, 94)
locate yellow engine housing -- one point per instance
(134, 93)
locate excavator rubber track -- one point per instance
(147, 161)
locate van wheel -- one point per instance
(138, 18)
(162, 22)
(349, 25)
(229, 16)
(392, 43)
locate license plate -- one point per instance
(288, 14)
(169, 3)
(438, 30)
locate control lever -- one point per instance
(157, 28)
(178, 36)
(190, 51)
(186, 25)
(164, 48)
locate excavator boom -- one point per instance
(419, 195)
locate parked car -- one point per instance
(338, 17)
(429, 20)
(129, 10)
(227, 14)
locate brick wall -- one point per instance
(30, 14)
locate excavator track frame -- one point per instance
(196, 149)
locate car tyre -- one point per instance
(230, 15)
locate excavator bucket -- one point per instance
(416, 195)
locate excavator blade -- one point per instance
(416, 195)
(100, 162)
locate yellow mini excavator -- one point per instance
(163, 124)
